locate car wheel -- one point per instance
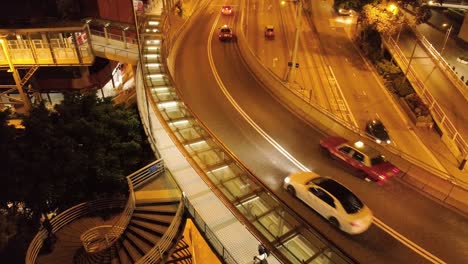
(291, 190)
(334, 222)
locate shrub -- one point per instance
(387, 68)
(417, 105)
(402, 86)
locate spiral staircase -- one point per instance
(145, 228)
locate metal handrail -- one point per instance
(64, 219)
(437, 112)
(157, 252)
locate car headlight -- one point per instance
(287, 180)
(388, 141)
(378, 141)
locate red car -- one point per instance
(368, 162)
(225, 33)
(269, 32)
(226, 10)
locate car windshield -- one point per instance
(350, 202)
(225, 30)
(378, 160)
(269, 29)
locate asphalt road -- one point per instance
(421, 220)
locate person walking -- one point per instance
(261, 258)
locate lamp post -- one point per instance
(447, 35)
(292, 72)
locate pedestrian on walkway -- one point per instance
(261, 258)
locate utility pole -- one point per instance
(292, 72)
(447, 35)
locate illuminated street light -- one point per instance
(393, 8)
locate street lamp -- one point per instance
(447, 35)
(393, 8)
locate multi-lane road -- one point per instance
(273, 142)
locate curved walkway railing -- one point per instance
(102, 237)
(66, 218)
(235, 188)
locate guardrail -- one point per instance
(112, 36)
(444, 123)
(443, 64)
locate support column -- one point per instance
(106, 36)
(77, 49)
(124, 37)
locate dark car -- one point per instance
(225, 33)
(366, 161)
(377, 130)
(269, 32)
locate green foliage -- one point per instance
(80, 151)
(381, 19)
(418, 107)
(387, 68)
(370, 43)
(402, 86)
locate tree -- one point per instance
(380, 18)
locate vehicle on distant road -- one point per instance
(226, 10)
(269, 32)
(345, 11)
(377, 130)
(366, 161)
(330, 199)
(225, 33)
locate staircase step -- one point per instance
(124, 255)
(165, 219)
(132, 249)
(156, 230)
(142, 244)
(149, 236)
(152, 220)
(114, 255)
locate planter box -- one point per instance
(412, 116)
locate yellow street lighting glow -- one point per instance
(153, 23)
(153, 48)
(159, 89)
(154, 41)
(168, 104)
(196, 143)
(179, 122)
(217, 169)
(152, 55)
(249, 200)
(153, 64)
(156, 75)
(358, 144)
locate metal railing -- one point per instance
(97, 239)
(66, 218)
(438, 113)
(443, 64)
(112, 36)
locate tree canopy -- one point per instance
(82, 150)
(380, 18)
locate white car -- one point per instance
(330, 199)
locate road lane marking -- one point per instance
(405, 241)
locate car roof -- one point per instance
(336, 189)
(366, 149)
(270, 26)
(226, 6)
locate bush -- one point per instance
(402, 86)
(417, 105)
(387, 68)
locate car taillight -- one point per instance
(382, 177)
(355, 224)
